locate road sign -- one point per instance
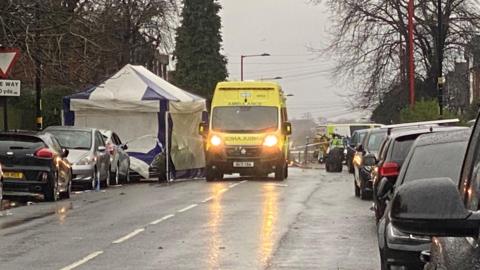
(9, 88)
(8, 58)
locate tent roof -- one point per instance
(135, 83)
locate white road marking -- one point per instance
(187, 208)
(207, 199)
(222, 190)
(243, 181)
(128, 236)
(161, 219)
(233, 185)
(82, 261)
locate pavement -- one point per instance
(310, 221)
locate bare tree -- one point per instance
(79, 42)
(369, 40)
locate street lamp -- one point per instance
(271, 79)
(245, 56)
(411, 63)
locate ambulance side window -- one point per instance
(284, 115)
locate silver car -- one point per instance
(119, 159)
(87, 153)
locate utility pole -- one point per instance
(440, 78)
(411, 61)
(38, 72)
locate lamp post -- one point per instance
(440, 79)
(411, 63)
(245, 56)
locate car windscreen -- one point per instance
(401, 147)
(73, 139)
(375, 141)
(436, 160)
(245, 119)
(19, 142)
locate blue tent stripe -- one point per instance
(153, 87)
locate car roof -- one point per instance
(443, 137)
(396, 134)
(68, 128)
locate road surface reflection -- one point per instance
(269, 222)
(215, 217)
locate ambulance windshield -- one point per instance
(245, 119)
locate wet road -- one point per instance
(310, 221)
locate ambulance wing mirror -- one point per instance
(287, 128)
(203, 129)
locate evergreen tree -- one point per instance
(198, 42)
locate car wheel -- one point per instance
(280, 172)
(357, 189)
(363, 193)
(52, 194)
(383, 261)
(209, 175)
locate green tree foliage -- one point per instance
(426, 110)
(200, 65)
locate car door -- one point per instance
(462, 253)
(103, 156)
(62, 166)
(122, 155)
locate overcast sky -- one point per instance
(286, 29)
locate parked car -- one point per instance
(119, 159)
(352, 145)
(432, 156)
(34, 164)
(367, 149)
(391, 156)
(88, 154)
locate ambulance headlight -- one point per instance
(270, 140)
(215, 140)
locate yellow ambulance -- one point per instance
(248, 131)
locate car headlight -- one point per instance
(215, 140)
(396, 236)
(86, 160)
(270, 140)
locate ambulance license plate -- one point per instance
(243, 164)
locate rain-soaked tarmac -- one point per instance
(310, 221)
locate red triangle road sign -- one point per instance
(8, 58)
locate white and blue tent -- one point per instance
(147, 112)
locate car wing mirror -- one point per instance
(101, 148)
(203, 129)
(287, 128)
(369, 160)
(384, 187)
(65, 152)
(433, 207)
(124, 147)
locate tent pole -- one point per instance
(167, 148)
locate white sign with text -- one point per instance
(10, 88)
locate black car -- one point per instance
(433, 155)
(34, 164)
(353, 143)
(392, 154)
(367, 149)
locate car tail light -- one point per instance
(44, 153)
(389, 169)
